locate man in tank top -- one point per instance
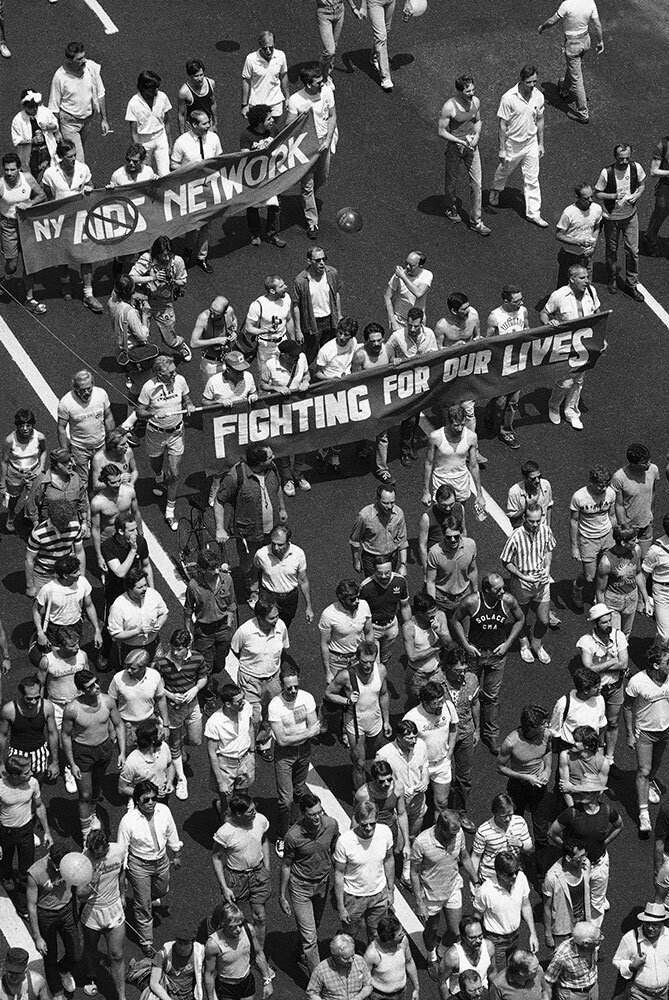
(472, 951)
(495, 622)
(196, 94)
(23, 459)
(460, 126)
(28, 730)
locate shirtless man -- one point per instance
(117, 452)
(115, 497)
(460, 125)
(373, 352)
(88, 746)
(56, 673)
(214, 334)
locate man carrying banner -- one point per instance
(17, 190)
(371, 354)
(258, 135)
(162, 402)
(411, 340)
(572, 301)
(197, 143)
(334, 361)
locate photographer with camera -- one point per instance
(162, 275)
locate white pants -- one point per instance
(661, 604)
(158, 145)
(526, 156)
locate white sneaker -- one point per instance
(181, 789)
(67, 979)
(542, 655)
(653, 793)
(303, 484)
(70, 783)
(645, 825)
(387, 83)
(554, 416)
(574, 419)
(526, 654)
(289, 488)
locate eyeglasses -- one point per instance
(148, 798)
(318, 260)
(452, 538)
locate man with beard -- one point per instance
(116, 498)
(294, 721)
(604, 650)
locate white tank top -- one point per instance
(10, 197)
(424, 639)
(368, 707)
(24, 455)
(450, 462)
(481, 967)
(389, 974)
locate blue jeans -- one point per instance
(330, 24)
(311, 182)
(380, 16)
(291, 766)
(54, 924)
(490, 672)
(574, 49)
(630, 231)
(148, 880)
(307, 900)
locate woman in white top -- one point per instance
(148, 114)
(35, 133)
(452, 455)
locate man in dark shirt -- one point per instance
(388, 596)
(305, 872)
(210, 614)
(259, 134)
(126, 548)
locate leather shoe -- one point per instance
(612, 288)
(634, 293)
(205, 266)
(276, 241)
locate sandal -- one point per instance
(35, 306)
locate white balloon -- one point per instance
(415, 8)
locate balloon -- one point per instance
(76, 869)
(414, 8)
(350, 220)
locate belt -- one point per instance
(211, 355)
(165, 430)
(577, 989)
(425, 673)
(18, 468)
(241, 757)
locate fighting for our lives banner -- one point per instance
(360, 406)
(105, 223)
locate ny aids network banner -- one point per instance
(90, 227)
(360, 406)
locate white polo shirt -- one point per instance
(563, 304)
(148, 119)
(410, 771)
(259, 653)
(280, 575)
(500, 909)
(186, 149)
(576, 16)
(265, 79)
(344, 630)
(521, 116)
(61, 185)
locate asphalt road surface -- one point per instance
(389, 166)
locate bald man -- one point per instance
(573, 967)
(342, 974)
(214, 334)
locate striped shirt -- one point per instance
(49, 544)
(179, 678)
(572, 970)
(490, 840)
(527, 552)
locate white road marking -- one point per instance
(653, 304)
(493, 508)
(16, 933)
(101, 13)
(164, 564)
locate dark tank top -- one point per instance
(28, 731)
(488, 626)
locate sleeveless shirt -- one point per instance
(487, 626)
(28, 731)
(24, 455)
(481, 966)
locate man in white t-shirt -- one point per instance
(230, 740)
(294, 722)
(591, 527)
(85, 412)
(509, 318)
(364, 880)
(232, 385)
(407, 289)
(259, 645)
(265, 76)
(582, 706)
(270, 319)
(318, 97)
(619, 187)
(577, 232)
(343, 625)
(604, 650)
(197, 143)
(646, 714)
(521, 142)
(335, 360)
(576, 17)
(436, 719)
(163, 403)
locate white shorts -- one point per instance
(440, 772)
(104, 918)
(454, 902)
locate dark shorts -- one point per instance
(253, 886)
(236, 989)
(86, 758)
